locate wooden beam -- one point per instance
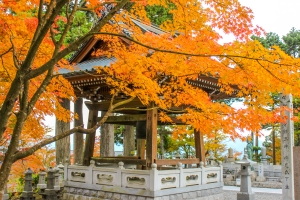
(151, 136)
(136, 103)
(104, 105)
(176, 161)
(121, 159)
(90, 138)
(124, 118)
(199, 146)
(132, 119)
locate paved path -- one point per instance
(261, 190)
(230, 193)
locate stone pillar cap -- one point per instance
(244, 161)
(28, 171)
(60, 166)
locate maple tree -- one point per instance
(153, 68)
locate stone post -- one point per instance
(261, 177)
(27, 194)
(42, 183)
(211, 158)
(296, 158)
(66, 170)
(154, 185)
(203, 173)
(119, 174)
(50, 192)
(5, 196)
(287, 143)
(56, 179)
(245, 190)
(181, 176)
(264, 156)
(61, 175)
(230, 155)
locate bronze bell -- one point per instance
(141, 130)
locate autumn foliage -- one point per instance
(154, 68)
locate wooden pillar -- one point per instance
(90, 138)
(78, 137)
(199, 146)
(140, 146)
(151, 136)
(107, 139)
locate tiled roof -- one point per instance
(88, 66)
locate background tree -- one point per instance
(272, 146)
(216, 143)
(33, 48)
(290, 43)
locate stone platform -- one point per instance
(215, 193)
(109, 183)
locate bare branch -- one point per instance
(39, 91)
(6, 52)
(7, 73)
(40, 12)
(276, 77)
(95, 7)
(14, 54)
(24, 97)
(70, 19)
(52, 34)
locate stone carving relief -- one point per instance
(136, 180)
(168, 180)
(78, 174)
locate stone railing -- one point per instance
(150, 180)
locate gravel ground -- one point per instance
(232, 195)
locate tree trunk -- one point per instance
(273, 145)
(106, 139)
(62, 146)
(256, 144)
(78, 137)
(128, 141)
(4, 173)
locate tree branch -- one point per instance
(39, 91)
(73, 46)
(186, 53)
(40, 34)
(67, 27)
(40, 12)
(6, 52)
(14, 54)
(78, 129)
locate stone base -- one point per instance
(245, 196)
(260, 179)
(206, 194)
(5, 197)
